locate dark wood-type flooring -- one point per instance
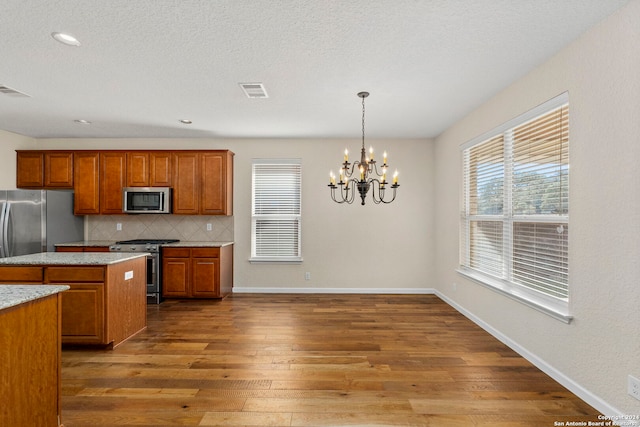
(311, 360)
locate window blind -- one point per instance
(515, 224)
(276, 210)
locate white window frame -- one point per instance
(553, 306)
(291, 214)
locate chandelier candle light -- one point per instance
(370, 177)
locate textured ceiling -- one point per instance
(145, 64)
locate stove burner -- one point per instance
(147, 241)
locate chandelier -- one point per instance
(370, 177)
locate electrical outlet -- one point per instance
(454, 285)
(118, 226)
(633, 386)
(209, 227)
(307, 276)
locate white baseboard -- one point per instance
(584, 394)
(299, 290)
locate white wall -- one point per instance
(595, 353)
(345, 247)
(9, 143)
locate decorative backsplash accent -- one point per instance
(183, 227)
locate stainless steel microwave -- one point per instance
(146, 200)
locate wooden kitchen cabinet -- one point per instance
(98, 181)
(203, 183)
(44, 169)
(149, 169)
(160, 169)
(86, 179)
(197, 272)
(30, 343)
(113, 178)
(216, 195)
(186, 183)
(137, 169)
(30, 169)
(58, 170)
(102, 307)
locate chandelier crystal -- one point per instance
(367, 177)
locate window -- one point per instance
(515, 218)
(276, 206)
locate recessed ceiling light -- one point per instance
(185, 121)
(67, 39)
(83, 122)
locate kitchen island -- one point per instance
(30, 355)
(106, 302)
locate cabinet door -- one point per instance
(86, 183)
(113, 170)
(83, 314)
(175, 277)
(186, 183)
(204, 281)
(29, 169)
(212, 174)
(160, 169)
(58, 170)
(137, 169)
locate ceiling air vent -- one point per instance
(254, 90)
(6, 90)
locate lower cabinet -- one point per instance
(30, 354)
(102, 307)
(197, 272)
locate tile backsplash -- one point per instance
(183, 227)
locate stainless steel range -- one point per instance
(154, 262)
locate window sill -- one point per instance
(275, 260)
(555, 310)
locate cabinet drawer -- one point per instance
(21, 274)
(75, 274)
(176, 252)
(205, 252)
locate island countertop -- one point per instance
(12, 295)
(72, 258)
(180, 244)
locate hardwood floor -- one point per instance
(311, 360)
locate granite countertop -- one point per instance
(90, 243)
(12, 295)
(72, 258)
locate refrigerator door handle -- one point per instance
(5, 230)
(2, 221)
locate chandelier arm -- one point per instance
(344, 198)
(349, 173)
(381, 191)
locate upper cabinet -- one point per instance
(202, 181)
(113, 174)
(86, 173)
(149, 169)
(138, 169)
(44, 169)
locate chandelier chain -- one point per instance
(363, 122)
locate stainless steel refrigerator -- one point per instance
(33, 221)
